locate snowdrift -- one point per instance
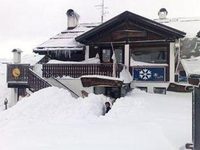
(54, 104)
(52, 119)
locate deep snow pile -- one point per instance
(51, 119)
(53, 105)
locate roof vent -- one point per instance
(72, 18)
(162, 13)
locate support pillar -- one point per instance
(171, 62)
(87, 48)
(196, 118)
(14, 91)
(126, 55)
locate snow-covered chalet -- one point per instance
(124, 52)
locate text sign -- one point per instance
(149, 74)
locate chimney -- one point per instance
(162, 13)
(16, 56)
(72, 18)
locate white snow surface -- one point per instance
(31, 59)
(66, 39)
(191, 66)
(93, 60)
(52, 119)
(125, 75)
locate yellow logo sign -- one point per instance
(16, 72)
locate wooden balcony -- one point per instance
(78, 70)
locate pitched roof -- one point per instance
(141, 21)
(65, 40)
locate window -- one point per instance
(150, 54)
(113, 92)
(142, 88)
(106, 55)
(159, 90)
(182, 76)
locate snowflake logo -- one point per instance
(145, 74)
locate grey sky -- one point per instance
(27, 23)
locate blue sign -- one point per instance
(149, 74)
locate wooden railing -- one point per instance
(35, 82)
(77, 70)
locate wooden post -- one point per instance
(87, 48)
(171, 63)
(126, 55)
(196, 118)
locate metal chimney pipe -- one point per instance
(162, 13)
(72, 18)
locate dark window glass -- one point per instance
(150, 54)
(119, 55)
(159, 90)
(142, 88)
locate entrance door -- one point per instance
(119, 55)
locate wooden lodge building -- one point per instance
(143, 47)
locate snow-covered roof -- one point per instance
(66, 39)
(31, 59)
(88, 61)
(191, 66)
(191, 26)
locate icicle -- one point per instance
(69, 53)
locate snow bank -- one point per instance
(54, 104)
(165, 119)
(51, 119)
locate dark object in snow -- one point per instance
(189, 146)
(6, 103)
(198, 34)
(107, 104)
(176, 87)
(196, 118)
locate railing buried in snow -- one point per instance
(77, 70)
(35, 82)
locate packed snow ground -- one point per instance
(51, 119)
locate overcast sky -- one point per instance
(28, 23)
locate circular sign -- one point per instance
(16, 72)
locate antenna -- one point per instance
(103, 12)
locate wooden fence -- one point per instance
(77, 70)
